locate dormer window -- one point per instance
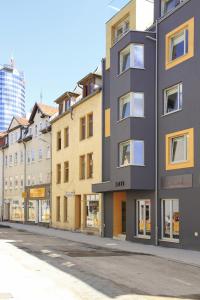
(168, 5)
(60, 108)
(88, 88)
(67, 104)
(120, 30)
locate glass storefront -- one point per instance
(32, 210)
(170, 219)
(16, 211)
(143, 217)
(92, 211)
(44, 211)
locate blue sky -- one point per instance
(55, 42)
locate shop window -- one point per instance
(65, 209)
(82, 128)
(180, 44)
(143, 218)
(180, 149)
(66, 137)
(44, 211)
(173, 99)
(32, 211)
(170, 219)
(168, 5)
(59, 140)
(132, 57)
(58, 209)
(90, 125)
(92, 211)
(66, 171)
(131, 105)
(82, 167)
(90, 165)
(58, 173)
(131, 153)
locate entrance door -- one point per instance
(123, 217)
(77, 211)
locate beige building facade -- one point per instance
(76, 158)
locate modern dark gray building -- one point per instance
(151, 132)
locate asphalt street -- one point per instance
(34, 266)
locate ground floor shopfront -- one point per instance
(37, 204)
(131, 215)
(81, 212)
(13, 209)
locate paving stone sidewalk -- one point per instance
(180, 255)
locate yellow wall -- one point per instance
(72, 153)
(118, 198)
(130, 10)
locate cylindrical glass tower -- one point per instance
(12, 95)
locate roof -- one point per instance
(45, 109)
(66, 96)
(22, 121)
(88, 76)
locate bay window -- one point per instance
(132, 57)
(131, 105)
(131, 153)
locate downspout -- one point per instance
(156, 139)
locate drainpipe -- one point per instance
(25, 199)
(156, 139)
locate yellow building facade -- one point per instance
(76, 158)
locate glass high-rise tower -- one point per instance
(12, 94)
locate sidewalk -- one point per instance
(179, 255)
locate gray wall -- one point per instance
(189, 74)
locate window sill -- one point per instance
(169, 240)
(137, 117)
(171, 113)
(130, 165)
(145, 237)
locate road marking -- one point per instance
(68, 264)
(45, 251)
(182, 281)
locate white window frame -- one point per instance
(179, 88)
(131, 96)
(171, 239)
(124, 30)
(131, 49)
(137, 219)
(163, 12)
(132, 162)
(171, 43)
(185, 149)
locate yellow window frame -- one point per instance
(190, 150)
(189, 25)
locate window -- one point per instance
(16, 182)
(168, 5)
(40, 128)
(92, 211)
(36, 130)
(48, 152)
(143, 217)
(22, 182)
(66, 137)
(32, 155)
(120, 30)
(28, 157)
(180, 149)
(180, 44)
(66, 171)
(90, 165)
(10, 160)
(29, 180)
(82, 167)
(6, 160)
(59, 140)
(67, 105)
(58, 209)
(58, 173)
(65, 209)
(131, 104)
(60, 108)
(30, 130)
(6, 184)
(170, 219)
(21, 157)
(132, 57)
(40, 154)
(131, 153)
(15, 158)
(173, 99)
(82, 128)
(40, 178)
(90, 125)
(125, 59)
(11, 183)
